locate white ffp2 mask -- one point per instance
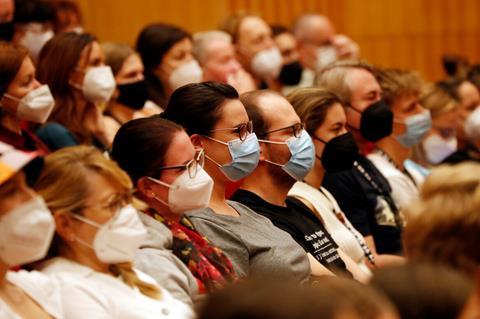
(36, 106)
(186, 194)
(267, 64)
(26, 233)
(187, 73)
(117, 240)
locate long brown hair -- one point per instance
(64, 185)
(11, 59)
(57, 60)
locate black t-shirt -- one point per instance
(370, 209)
(297, 220)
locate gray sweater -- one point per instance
(254, 245)
(156, 259)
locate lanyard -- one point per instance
(382, 153)
(366, 251)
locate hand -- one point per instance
(346, 47)
(242, 81)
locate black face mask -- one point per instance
(291, 73)
(339, 153)
(376, 121)
(6, 31)
(134, 95)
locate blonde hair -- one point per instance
(334, 77)
(438, 101)
(312, 105)
(64, 185)
(396, 83)
(116, 54)
(444, 224)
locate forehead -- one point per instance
(468, 91)
(233, 113)
(361, 81)
(277, 111)
(285, 40)
(132, 62)
(320, 29)
(219, 47)
(180, 151)
(335, 114)
(26, 67)
(251, 27)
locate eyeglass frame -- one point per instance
(295, 133)
(199, 159)
(248, 125)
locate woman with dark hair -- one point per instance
(73, 66)
(169, 177)
(217, 122)
(22, 98)
(166, 52)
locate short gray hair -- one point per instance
(202, 39)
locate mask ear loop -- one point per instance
(276, 143)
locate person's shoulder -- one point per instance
(56, 136)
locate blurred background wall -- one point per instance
(398, 33)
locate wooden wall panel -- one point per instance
(397, 33)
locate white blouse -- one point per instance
(40, 288)
(90, 294)
(326, 205)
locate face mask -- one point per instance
(325, 56)
(134, 95)
(376, 121)
(472, 125)
(118, 240)
(36, 106)
(187, 193)
(291, 73)
(267, 63)
(417, 126)
(187, 73)
(302, 156)
(34, 41)
(245, 156)
(437, 149)
(26, 233)
(98, 84)
(6, 31)
(339, 153)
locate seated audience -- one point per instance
(22, 98)
(287, 155)
(73, 67)
(98, 233)
(216, 54)
(166, 53)
(216, 120)
(335, 149)
(169, 177)
(26, 231)
(363, 193)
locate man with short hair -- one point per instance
(363, 193)
(320, 45)
(255, 48)
(215, 53)
(287, 155)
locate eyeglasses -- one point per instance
(191, 166)
(296, 129)
(243, 130)
(113, 204)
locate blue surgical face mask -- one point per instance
(302, 156)
(417, 126)
(245, 156)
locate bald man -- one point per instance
(320, 45)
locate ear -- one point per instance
(144, 186)
(196, 140)
(63, 226)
